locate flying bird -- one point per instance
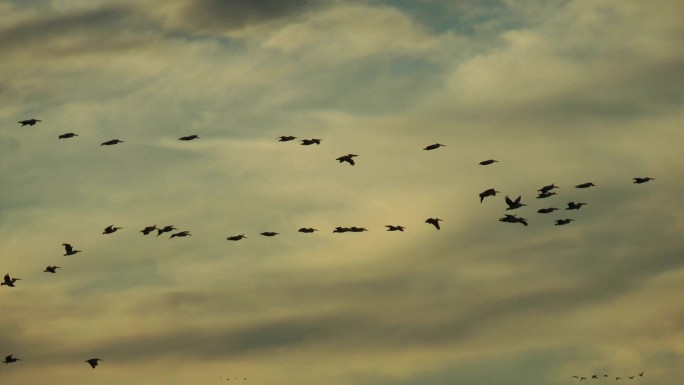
(642, 180)
(394, 228)
(561, 222)
(487, 162)
(181, 234)
(67, 135)
(641, 374)
(286, 138)
(434, 222)
(487, 193)
(269, 233)
(355, 229)
(508, 218)
(93, 362)
(188, 138)
(111, 229)
(585, 185)
(547, 188)
(69, 250)
(166, 229)
(111, 142)
(148, 229)
(339, 229)
(29, 122)
(347, 158)
(594, 377)
(514, 204)
(9, 359)
(9, 281)
(574, 206)
(434, 146)
(236, 237)
(547, 194)
(51, 269)
(307, 230)
(547, 210)
(308, 142)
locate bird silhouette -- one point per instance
(561, 222)
(236, 237)
(67, 135)
(594, 377)
(9, 281)
(29, 122)
(585, 185)
(617, 378)
(111, 142)
(269, 233)
(487, 162)
(574, 206)
(355, 229)
(434, 222)
(514, 204)
(641, 374)
(642, 180)
(286, 138)
(93, 362)
(347, 158)
(9, 359)
(547, 194)
(488, 193)
(166, 229)
(51, 269)
(547, 210)
(181, 234)
(434, 146)
(631, 377)
(69, 250)
(111, 229)
(508, 218)
(308, 142)
(188, 138)
(547, 188)
(394, 228)
(307, 230)
(148, 229)
(339, 229)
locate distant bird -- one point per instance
(51, 269)
(594, 377)
(67, 135)
(585, 185)
(307, 230)
(575, 377)
(487, 162)
(9, 359)
(69, 250)
(617, 378)
(236, 237)
(181, 234)
(308, 142)
(111, 229)
(547, 210)
(347, 158)
(434, 146)
(641, 374)
(574, 206)
(188, 138)
(93, 362)
(269, 233)
(166, 229)
(631, 377)
(508, 218)
(583, 378)
(29, 122)
(561, 222)
(514, 204)
(339, 229)
(642, 180)
(547, 188)
(545, 194)
(434, 222)
(394, 228)
(148, 229)
(487, 193)
(286, 138)
(9, 281)
(355, 229)
(111, 142)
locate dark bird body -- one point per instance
(67, 135)
(394, 228)
(585, 185)
(575, 206)
(8, 281)
(269, 233)
(487, 193)
(236, 237)
(286, 138)
(51, 269)
(434, 146)
(434, 222)
(487, 162)
(547, 210)
(110, 229)
(10, 359)
(111, 142)
(514, 204)
(166, 229)
(148, 229)
(642, 180)
(188, 138)
(349, 158)
(547, 194)
(547, 188)
(308, 142)
(355, 229)
(307, 230)
(508, 218)
(561, 222)
(93, 362)
(29, 122)
(181, 234)
(69, 250)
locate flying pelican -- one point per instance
(642, 180)
(51, 269)
(307, 230)
(547, 194)
(394, 228)
(487, 162)
(355, 229)
(308, 142)
(111, 142)
(69, 250)
(585, 185)
(508, 218)
(286, 138)
(269, 233)
(574, 206)
(9, 359)
(514, 204)
(67, 135)
(547, 210)
(561, 222)
(488, 193)
(434, 222)
(148, 229)
(339, 229)
(93, 362)
(9, 281)
(434, 146)
(187, 138)
(594, 377)
(347, 158)
(29, 122)
(111, 229)
(166, 229)
(236, 237)
(181, 234)
(547, 188)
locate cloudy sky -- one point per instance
(558, 91)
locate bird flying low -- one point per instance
(347, 158)
(487, 193)
(111, 229)
(514, 204)
(585, 185)
(508, 218)
(547, 210)
(307, 230)
(69, 250)
(181, 234)
(642, 180)
(355, 229)
(188, 138)
(574, 206)
(487, 162)
(547, 194)
(9, 359)
(286, 138)
(561, 222)
(9, 281)
(51, 269)
(29, 122)
(111, 142)
(93, 362)
(547, 188)
(434, 222)
(269, 233)
(148, 229)
(339, 229)
(308, 142)
(166, 229)
(67, 135)
(394, 228)
(236, 237)
(434, 146)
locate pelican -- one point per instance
(514, 204)
(642, 180)
(51, 269)
(269, 233)
(347, 158)
(561, 222)
(187, 138)
(9, 359)
(67, 135)
(308, 142)
(69, 250)
(585, 185)
(574, 206)
(394, 228)
(547, 194)
(166, 229)
(339, 229)
(434, 146)
(487, 162)
(434, 222)
(93, 362)
(286, 138)
(547, 210)
(181, 234)
(148, 229)
(307, 230)
(355, 229)
(547, 188)
(29, 122)
(111, 229)
(488, 193)
(9, 281)
(508, 218)
(111, 142)
(236, 237)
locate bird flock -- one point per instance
(512, 204)
(618, 378)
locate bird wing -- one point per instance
(509, 201)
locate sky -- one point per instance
(558, 91)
